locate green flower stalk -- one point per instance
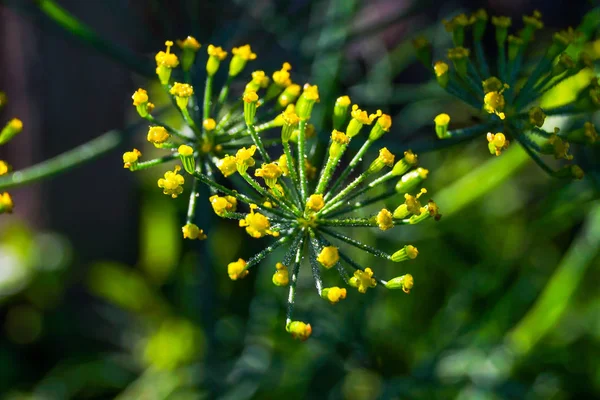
(509, 100)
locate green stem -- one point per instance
(332, 162)
(294, 279)
(361, 204)
(152, 163)
(193, 202)
(169, 129)
(65, 161)
(356, 243)
(281, 201)
(259, 144)
(225, 91)
(301, 161)
(206, 104)
(190, 121)
(353, 163)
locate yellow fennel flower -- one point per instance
(130, 157)
(328, 256)
(157, 135)
(172, 182)
(223, 204)
(236, 270)
(256, 224)
(191, 231)
(363, 280)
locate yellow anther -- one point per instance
(282, 77)
(333, 294)
(182, 90)
(384, 220)
(363, 280)
(497, 142)
(315, 202)
(129, 158)
(139, 97)
(257, 225)
(227, 165)
(209, 124)
(299, 330)
(6, 203)
(236, 270)
(223, 204)
(328, 256)
(157, 135)
(281, 277)
(172, 182)
(191, 231)
(189, 43)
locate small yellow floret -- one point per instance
(15, 124)
(4, 168)
(281, 277)
(339, 137)
(172, 182)
(139, 97)
(440, 68)
(191, 231)
(315, 202)
(227, 165)
(311, 92)
(384, 220)
(244, 155)
(167, 59)
(497, 142)
(343, 101)
(209, 124)
(493, 103)
(282, 162)
(250, 97)
(256, 224)
(223, 204)
(269, 171)
(6, 203)
(299, 330)
(157, 135)
(236, 270)
(334, 294)
(189, 43)
(282, 77)
(386, 157)
(130, 157)
(244, 52)
(363, 280)
(182, 90)
(216, 51)
(385, 121)
(328, 256)
(362, 116)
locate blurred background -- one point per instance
(101, 298)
